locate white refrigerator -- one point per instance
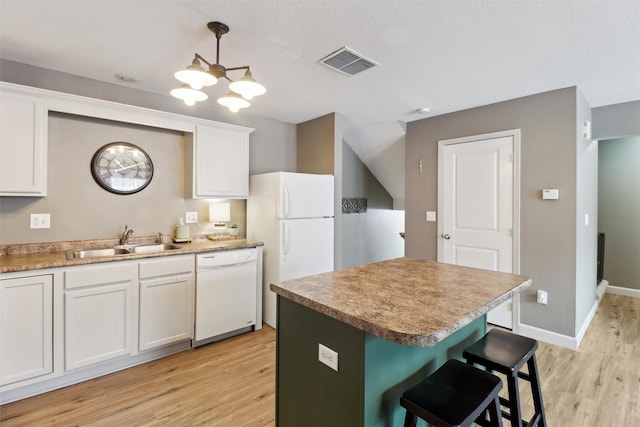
(292, 213)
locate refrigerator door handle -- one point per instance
(285, 201)
(285, 238)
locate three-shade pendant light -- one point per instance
(195, 77)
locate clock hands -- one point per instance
(119, 164)
(127, 167)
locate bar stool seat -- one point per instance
(505, 352)
(454, 395)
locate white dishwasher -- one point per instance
(226, 293)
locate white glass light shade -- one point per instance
(196, 76)
(219, 212)
(247, 86)
(233, 102)
(189, 95)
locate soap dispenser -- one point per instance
(182, 231)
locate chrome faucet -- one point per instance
(160, 237)
(124, 240)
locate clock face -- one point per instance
(122, 168)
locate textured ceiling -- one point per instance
(445, 55)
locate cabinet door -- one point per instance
(26, 328)
(23, 150)
(98, 324)
(166, 310)
(221, 159)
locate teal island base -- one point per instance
(372, 372)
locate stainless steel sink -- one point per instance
(146, 249)
(92, 253)
(128, 250)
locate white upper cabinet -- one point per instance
(218, 162)
(216, 154)
(23, 145)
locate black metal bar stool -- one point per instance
(507, 353)
(454, 395)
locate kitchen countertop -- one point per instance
(35, 256)
(404, 300)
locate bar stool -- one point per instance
(507, 353)
(454, 395)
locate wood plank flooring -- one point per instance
(232, 383)
(229, 383)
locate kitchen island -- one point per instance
(391, 324)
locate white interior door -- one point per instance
(477, 207)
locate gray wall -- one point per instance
(619, 209)
(549, 124)
(586, 215)
(373, 235)
(358, 181)
(272, 148)
(616, 121)
(315, 149)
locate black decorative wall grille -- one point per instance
(354, 206)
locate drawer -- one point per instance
(164, 266)
(99, 274)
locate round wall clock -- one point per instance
(122, 168)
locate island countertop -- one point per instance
(405, 300)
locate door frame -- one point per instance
(515, 134)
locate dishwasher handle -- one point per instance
(221, 266)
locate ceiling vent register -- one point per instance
(347, 61)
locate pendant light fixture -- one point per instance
(195, 77)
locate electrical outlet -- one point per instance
(328, 357)
(542, 297)
(40, 221)
(191, 217)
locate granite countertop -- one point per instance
(35, 256)
(404, 300)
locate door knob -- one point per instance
(446, 236)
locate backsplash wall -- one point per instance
(80, 209)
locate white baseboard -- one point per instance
(627, 292)
(601, 289)
(587, 322)
(560, 339)
(548, 336)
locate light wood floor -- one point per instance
(231, 383)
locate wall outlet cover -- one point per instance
(191, 217)
(542, 297)
(328, 357)
(40, 221)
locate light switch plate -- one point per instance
(191, 217)
(431, 216)
(550, 194)
(328, 357)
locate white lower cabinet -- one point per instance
(26, 328)
(99, 322)
(75, 323)
(166, 301)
